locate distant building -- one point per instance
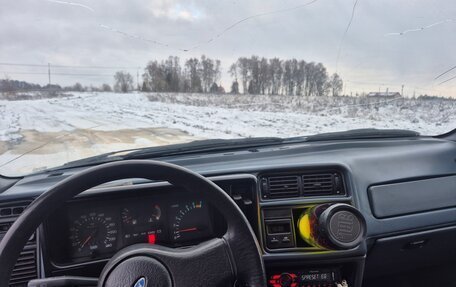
(384, 95)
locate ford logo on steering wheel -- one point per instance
(141, 282)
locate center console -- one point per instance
(316, 239)
(319, 227)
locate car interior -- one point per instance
(345, 211)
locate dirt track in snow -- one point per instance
(43, 149)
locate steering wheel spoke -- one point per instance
(206, 264)
(213, 256)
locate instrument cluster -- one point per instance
(96, 229)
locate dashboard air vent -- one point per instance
(318, 183)
(26, 265)
(305, 183)
(25, 268)
(283, 186)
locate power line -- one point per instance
(49, 73)
(59, 74)
(446, 72)
(450, 79)
(67, 66)
(26, 65)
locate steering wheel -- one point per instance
(235, 258)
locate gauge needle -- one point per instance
(188, 229)
(85, 241)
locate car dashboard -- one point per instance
(402, 188)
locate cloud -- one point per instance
(130, 33)
(173, 10)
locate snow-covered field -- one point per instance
(56, 130)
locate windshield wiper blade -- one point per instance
(203, 146)
(363, 134)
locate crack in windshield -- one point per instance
(350, 21)
(230, 27)
(420, 29)
(73, 4)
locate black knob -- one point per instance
(286, 280)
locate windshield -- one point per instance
(84, 77)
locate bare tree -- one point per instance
(78, 87)
(243, 65)
(335, 85)
(276, 72)
(172, 73)
(217, 71)
(235, 88)
(321, 78)
(287, 78)
(234, 71)
(6, 85)
(106, 88)
(123, 82)
(193, 69)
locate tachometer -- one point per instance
(92, 234)
(190, 221)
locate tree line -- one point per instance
(283, 77)
(197, 75)
(256, 76)
(14, 86)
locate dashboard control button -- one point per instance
(248, 202)
(279, 241)
(283, 280)
(286, 239)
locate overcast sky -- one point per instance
(129, 33)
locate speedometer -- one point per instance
(92, 233)
(190, 221)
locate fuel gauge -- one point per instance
(139, 216)
(141, 224)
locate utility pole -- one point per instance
(402, 90)
(137, 78)
(49, 73)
